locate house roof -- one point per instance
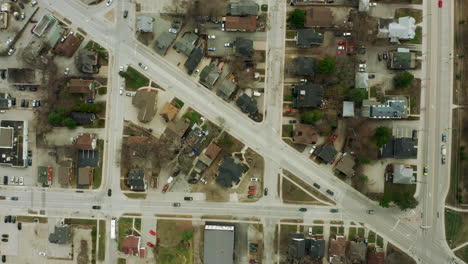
(403, 174)
(374, 257)
(401, 60)
(187, 43)
(337, 246)
(399, 148)
(79, 86)
(296, 247)
(361, 80)
(305, 134)
(348, 108)
(87, 61)
(244, 48)
(308, 95)
(209, 75)
(54, 34)
(144, 23)
(83, 118)
(319, 17)
(169, 112)
(64, 175)
(212, 151)
(136, 180)
(218, 244)
(243, 8)
(346, 164)
(85, 176)
(235, 23)
(88, 158)
(226, 89)
(405, 28)
(68, 47)
(393, 108)
(247, 104)
(163, 42)
(308, 37)
(357, 252)
(85, 141)
(193, 60)
(230, 171)
(326, 153)
(317, 248)
(131, 245)
(304, 65)
(61, 235)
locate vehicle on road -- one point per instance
(188, 198)
(330, 192)
(121, 90)
(303, 209)
(2, 197)
(425, 170)
(441, 3)
(333, 210)
(42, 254)
(444, 153)
(176, 204)
(125, 14)
(109, 192)
(149, 244)
(14, 198)
(144, 67)
(372, 4)
(96, 207)
(165, 188)
(444, 137)
(370, 211)
(152, 232)
(109, 2)
(211, 36)
(211, 49)
(265, 192)
(20, 226)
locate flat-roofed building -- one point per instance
(219, 244)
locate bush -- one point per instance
(402, 80)
(382, 136)
(102, 90)
(188, 235)
(70, 123)
(357, 95)
(88, 108)
(311, 117)
(264, 8)
(57, 116)
(326, 65)
(385, 201)
(297, 18)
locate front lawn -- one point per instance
(134, 79)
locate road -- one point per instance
(427, 245)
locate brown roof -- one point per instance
(337, 246)
(319, 17)
(64, 175)
(79, 86)
(248, 23)
(212, 151)
(68, 47)
(85, 141)
(138, 140)
(346, 164)
(131, 245)
(85, 176)
(169, 112)
(305, 134)
(357, 252)
(376, 257)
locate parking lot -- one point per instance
(11, 246)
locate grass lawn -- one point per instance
(418, 36)
(138, 224)
(170, 234)
(134, 79)
(102, 240)
(290, 34)
(413, 91)
(97, 172)
(193, 116)
(317, 230)
(415, 13)
(456, 227)
(292, 194)
(121, 261)
(462, 253)
(136, 195)
(379, 241)
(287, 131)
(361, 232)
(391, 188)
(352, 233)
(179, 102)
(124, 227)
(298, 147)
(371, 237)
(341, 230)
(102, 52)
(174, 255)
(333, 229)
(102, 90)
(100, 123)
(306, 186)
(373, 92)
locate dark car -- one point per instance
(415, 134)
(5, 219)
(176, 204)
(5, 236)
(188, 198)
(371, 76)
(13, 219)
(13, 101)
(109, 192)
(29, 162)
(97, 207)
(20, 226)
(3, 258)
(9, 219)
(175, 173)
(265, 192)
(292, 121)
(316, 185)
(4, 74)
(33, 88)
(333, 210)
(380, 56)
(79, 191)
(191, 181)
(90, 101)
(330, 192)
(14, 198)
(4, 239)
(125, 15)
(21, 5)
(253, 245)
(303, 209)
(5, 180)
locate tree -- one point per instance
(311, 117)
(385, 201)
(405, 200)
(357, 94)
(325, 65)
(297, 18)
(188, 235)
(382, 136)
(55, 118)
(70, 123)
(402, 80)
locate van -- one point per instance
(33, 3)
(257, 94)
(171, 179)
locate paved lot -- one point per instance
(10, 247)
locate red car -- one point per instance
(334, 138)
(150, 244)
(440, 3)
(152, 232)
(340, 52)
(2, 197)
(252, 187)
(342, 43)
(252, 192)
(289, 110)
(165, 188)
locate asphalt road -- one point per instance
(427, 245)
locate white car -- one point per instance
(129, 94)
(23, 15)
(196, 72)
(63, 38)
(346, 34)
(8, 42)
(171, 30)
(203, 180)
(144, 67)
(12, 179)
(121, 90)
(109, 2)
(303, 80)
(311, 151)
(372, 4)
(67, 71)
(211, 36)
(121, 68)
(21, 181)
(254, 179)
(362, 69)
(33, 3)
(362, 66)
(42, 254)
(310, 231)
(11, 51)
(227, 44)
(341, 47)
(211, 49)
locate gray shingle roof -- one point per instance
(399, 148)
(308, 37)
(247, 104)
(187, 43)
(193, 60)
(361, 80)
(226, 89)
(243, 8)
(61, 235)
(392, 109)
(348, 109)
(244, 48)
(136, 180)
(317, 248)
(83, 118)
(230, 171)
(401, 60)
(304, 65)
(163, 42)
(402, 174)
(209, 75)
(144, 23)
(327, 153)
(308, 95)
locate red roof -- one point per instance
(212, 151)
(131, 245)
(248, 23)
(68, 47)
(85, 141)
(142, 252)
(374, 257)
(337, 246)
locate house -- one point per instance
(304, 65)
(247, 104)
(84, 141)
(348, 109)
(317, 248)
(87, 61)
(85, 176)
(326, 153)
(136, 180)
(361, 80)
(209, 75)
(402, 59)
(82, 118)
(375, 257)
(235, 23)
(402, 148)
(86, 88)
(319, 17)
(230, 171)
(62, 235)
(68, 47)
(337, 247)
(394, 108)
(226, 89)
(346, 164)
(402, 174)
(65, 175)
(305, 38)
(131, 245)
(144, 24)
(243, 8)
(308, 95)
(244, 48)
(296, 246)
(209, 154)
(396, 29)
(195, 138)
(186, 44)
(305, 134)
(163, 42)
(357, 252)
(218, 244)
(193, 60)
(169, 112)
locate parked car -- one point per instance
(333, 210)
(144, 67)
(227, 44)
(109, 2)
(211, 49)
(4, 239)
(20, 226)
(253, 245)
(265, 192)
(11, 51)
(152, 232)
(165, 188)
(311, 151)
(96, 207)
(330, 192)
(33, 3)
(342, 43)
(253, 249)
(309, 231)
(3, 258)
(13, 219)
(21, 181)
(292, 121)
(188, 198)
(211, 36)
(441, 3)
(42, 254)
(425, 170)
(5, 180)
(4, 74)
(171, 30)
(12, 179)
(346, 34)
(203, 181)
(125, 14)
(334, 137)
(379, 56)
(253, 261)
(252, 187)
(149, 244)
(67, 71)
(254, 179)
(175, 173)
(21, 5)
(2, 197)
(252, 192)
(5, 235)
(109, 192)
(385, 55)
(250, 196)
(14, 198)
(371, 76)
(193, 181)
(303, 209)
(372, 4)
(444, 137)
(341, 47)
(195, 73)
(176, 204)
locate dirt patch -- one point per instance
(174, 241)
(83, 257)
(110, 15)
(145, 101)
